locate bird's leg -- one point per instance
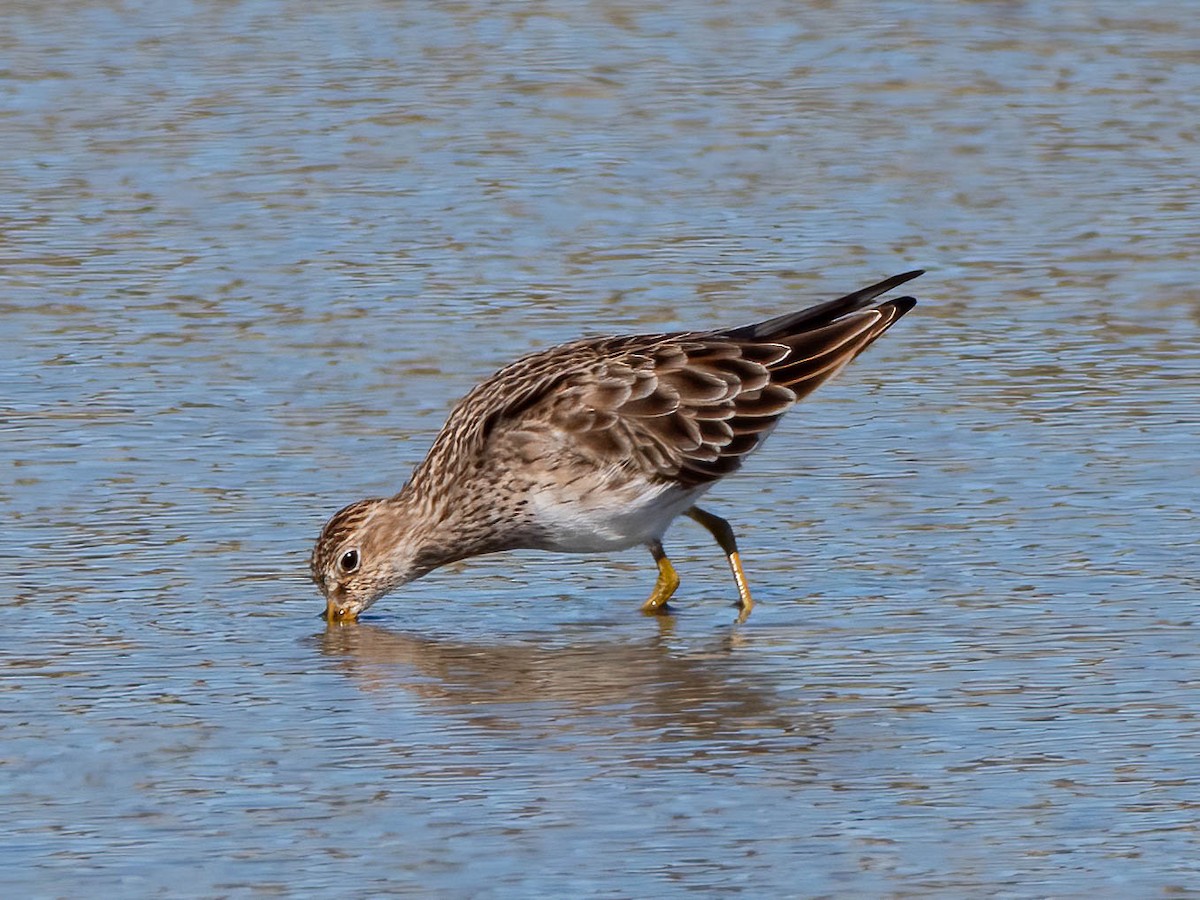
(719, 529)
(668, 580)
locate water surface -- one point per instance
(251, 252)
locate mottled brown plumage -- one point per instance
(596, 445)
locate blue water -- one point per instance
(250, 254)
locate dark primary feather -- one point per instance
(822, 313)
(687, 406)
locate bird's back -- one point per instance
(686, 406)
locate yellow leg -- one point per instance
(668, 580)
(719, 529)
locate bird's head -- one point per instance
(365, 550)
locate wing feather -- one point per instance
(688, 406)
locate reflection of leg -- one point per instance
(666, 584)
(719, 528)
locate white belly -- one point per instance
(608, 517)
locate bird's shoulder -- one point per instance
(684, 405)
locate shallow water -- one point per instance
(251, 252)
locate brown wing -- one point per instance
(687, 406)
(693, 406)
(682, 406)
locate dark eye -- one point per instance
(348, 561)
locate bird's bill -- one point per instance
(335, 612)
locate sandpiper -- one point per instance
(596, 445)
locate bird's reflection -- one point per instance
(677, 689)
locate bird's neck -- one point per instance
(445, 526)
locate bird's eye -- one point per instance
(348, 561)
